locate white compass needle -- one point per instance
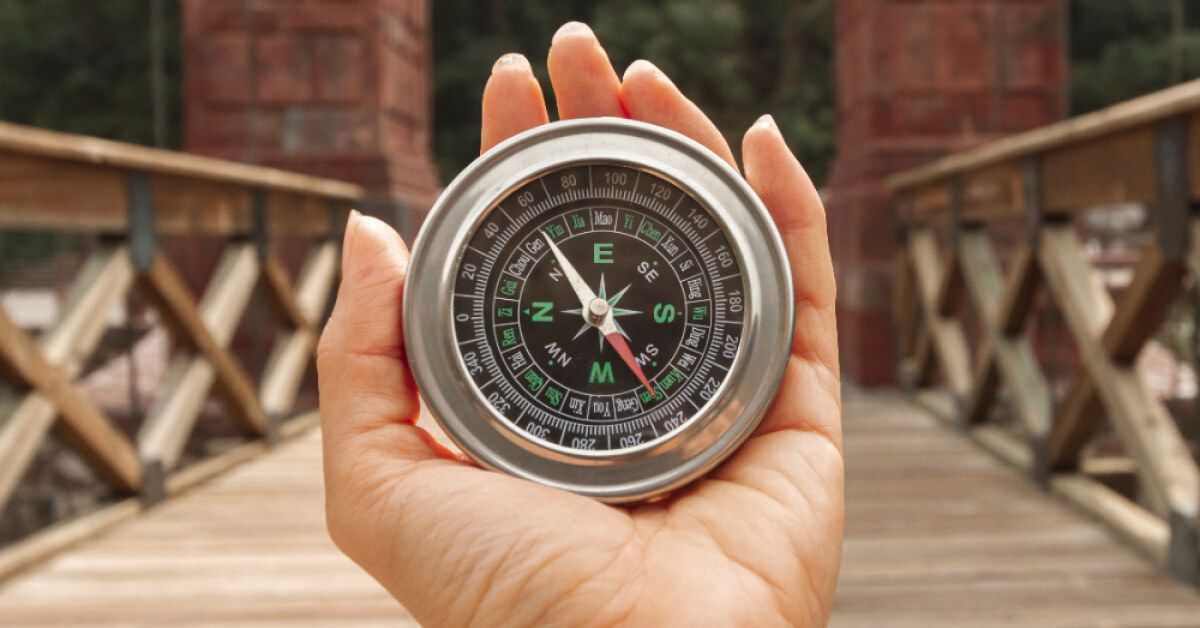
(582, 291)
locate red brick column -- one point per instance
(918, 79)
(335, 88)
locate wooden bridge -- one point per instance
(1037, 470)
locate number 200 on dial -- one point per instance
(619, 309)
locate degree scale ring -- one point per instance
(692, 260)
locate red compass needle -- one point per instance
(598, 313)
(622, 348)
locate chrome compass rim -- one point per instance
(637, 473)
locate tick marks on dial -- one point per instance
(613, 255)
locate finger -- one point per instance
(512, 101)
(651, 97)
(365, 384)
(794, 203)
(809, 398)
(585, 84)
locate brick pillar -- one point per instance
(335, 88)
(918, 79)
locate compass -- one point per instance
(600, 305)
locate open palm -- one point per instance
(756, 542)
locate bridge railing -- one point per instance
(968, 324)
(135, 205)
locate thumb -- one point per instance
(363, 374)
(367, 396)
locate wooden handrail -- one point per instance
(189, 193)
(1106, 157)
(1143, 151)
(130, 195)
(1181, 98)
(93, 150)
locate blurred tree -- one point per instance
(736, 58)
(84, 67)
(1122, 49)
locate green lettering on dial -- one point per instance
(601, 373)
(540, 313)
(602, 253)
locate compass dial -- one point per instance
(598, 307)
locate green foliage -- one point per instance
(736, 58)
(1122, 49)
(84, 67)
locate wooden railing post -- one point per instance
(904, 305)
(143, 246)
(269, 273)
(1183, 550)
(143, 243)
(1022, 293)
(1173, 218)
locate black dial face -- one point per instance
(598, 307)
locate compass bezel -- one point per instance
(620, 475)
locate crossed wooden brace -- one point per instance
(48, 365)
(1107, 336)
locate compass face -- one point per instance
(598, 307)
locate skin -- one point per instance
(757, 542)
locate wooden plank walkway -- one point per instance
(248, 548)
(938, 533)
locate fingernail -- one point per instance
(570, 29)
(512, 60)
(642, 65)
(766, 121)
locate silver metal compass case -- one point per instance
(625, 475)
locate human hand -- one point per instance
(756, 542)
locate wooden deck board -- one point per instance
(938, 533)
(248, 548)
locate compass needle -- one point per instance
(592, 236)
(582, 292)
(619, 345)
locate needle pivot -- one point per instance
(597, 310)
